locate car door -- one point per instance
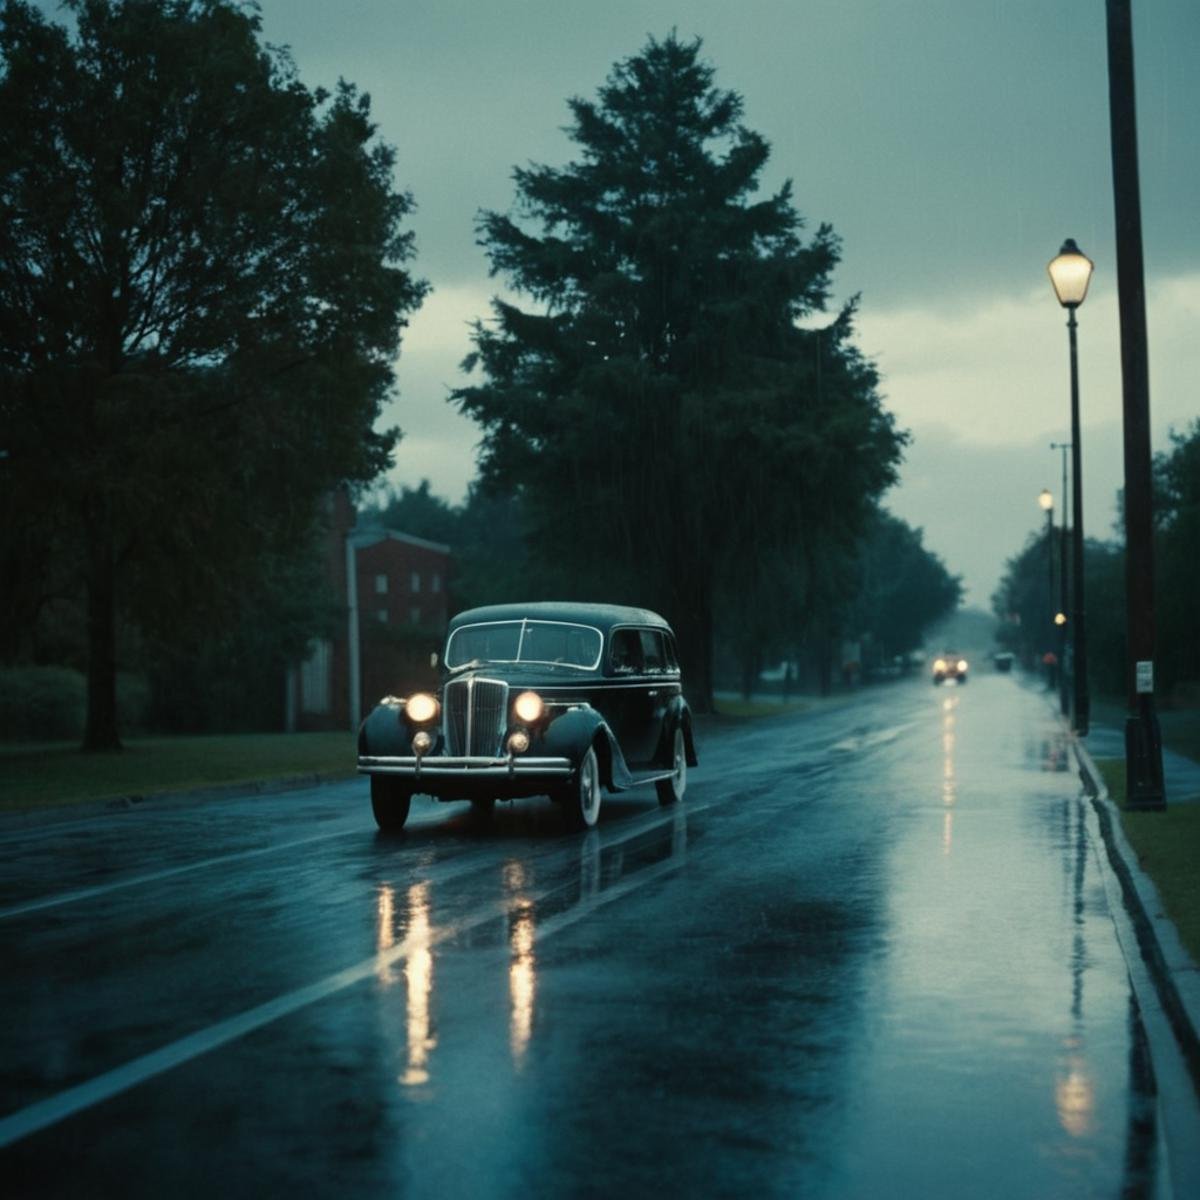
(623, 702)
(640, 664)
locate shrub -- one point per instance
(41, 703)
(50, 703)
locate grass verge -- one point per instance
(51, 774)
(1167, 845)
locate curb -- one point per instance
(1175, 976)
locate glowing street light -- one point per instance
(1070, 273)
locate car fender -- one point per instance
(384, 734)
(677, 716)
(680, 714)
(570, 734)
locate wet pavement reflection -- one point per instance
(869, 955)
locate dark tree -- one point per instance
(669, 428)
(904, 589)
(1177, 516)
(202, 288)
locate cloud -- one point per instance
(999, 371)
(986, 390)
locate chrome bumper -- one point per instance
(442, 767)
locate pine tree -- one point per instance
(657, 406)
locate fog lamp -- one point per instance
(518, 742)
(422, 742)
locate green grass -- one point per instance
(1168, 846)
(56, 773)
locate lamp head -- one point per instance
(1070, 273)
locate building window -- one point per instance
(382, 615)
(437, 583)
(416, 581)
(415, 615)
(381, 585)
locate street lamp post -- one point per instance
(1070, 273)
(1060, 617)
(1046, 502)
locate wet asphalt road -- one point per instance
(868, 956)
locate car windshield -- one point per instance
(525, 641)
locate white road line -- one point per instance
(36, 1117)
(102, 889)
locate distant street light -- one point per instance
(1046, 501)
(1070, 273)
(1060, 617)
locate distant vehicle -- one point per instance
(536, 699)
(1003, 660)
(949, 665)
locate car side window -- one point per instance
(626, 653)
(672, 657)
(653, 655)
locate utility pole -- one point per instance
(1143, 741)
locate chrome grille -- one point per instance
(475, 716)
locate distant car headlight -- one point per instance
(421, 708)
(962, 664)
(528, 707)
(939, 664)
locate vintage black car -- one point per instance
(536, 699)
(949, 665)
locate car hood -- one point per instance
(527, 675)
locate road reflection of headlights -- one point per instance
(421, 708)
(528, 707)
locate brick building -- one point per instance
(392, 588)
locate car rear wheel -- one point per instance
(581, 797)
(390, 802)
(671, 790)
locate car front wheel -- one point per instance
(671, 790)
(581, 798)
(390, 802)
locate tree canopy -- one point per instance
(203, 282)
(678, 439)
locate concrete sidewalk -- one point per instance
(1181, 775)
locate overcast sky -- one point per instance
(952, 144)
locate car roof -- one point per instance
(602, 616)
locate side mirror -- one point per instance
(433, 661)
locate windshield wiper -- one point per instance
(467, 666)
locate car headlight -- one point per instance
(962, 664)
(528, 707)
(421, 708)
(939, 664)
